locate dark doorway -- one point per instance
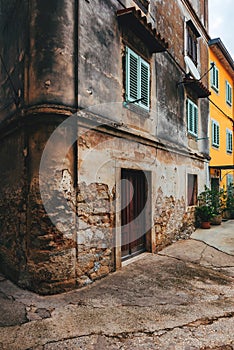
(133, 219)
(215, 183)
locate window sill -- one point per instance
(215, 89)
(133, 107)
(192, 135)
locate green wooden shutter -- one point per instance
(189, 115)
(217, 79)
(228, 93)
(195, 120)
(215, 134)
(217, 126)
(137, 79)
(145, 84)
(132, 75)
(192, 117)
(229, 141)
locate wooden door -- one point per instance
(133, 200)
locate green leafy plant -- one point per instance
(217, 200)
(229, 202)
(207, 206)
(204, 213)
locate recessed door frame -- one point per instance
(149, 234)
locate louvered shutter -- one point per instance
(145, 83)
(192, 117)
(213, 76)
(189, 115)
(195, 120)
(217, 79)
(217, 142)
(226, 91)
(137, 79)
(132, 75)
(213, 132)
(227, 140)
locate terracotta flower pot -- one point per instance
(205, 224)
(216, 220)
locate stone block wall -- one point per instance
(13, 208)
(172, 220)
(95, 239)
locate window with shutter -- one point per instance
(215, 134)
(215, 78)
(192, 117)
(137, 79)
(192, 45)
(228, 93)
(229, 141)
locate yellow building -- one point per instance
(221, 115)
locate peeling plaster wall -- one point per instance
(67, 56)
(100, 158)
(52, 52)
(51, 249)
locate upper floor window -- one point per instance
(137, 79)
(228, 93)
(215, 133)
(215, 78)
(229, 140)
(192, 117)
(192, 42)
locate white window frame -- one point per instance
(192, 117)
(215, 133)
(214, 78)
(141, 81)
(228, 93)
(229, 140)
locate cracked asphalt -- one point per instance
(179, 299)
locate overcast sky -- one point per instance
(221, 22)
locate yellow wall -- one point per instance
(219, 156)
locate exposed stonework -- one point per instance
(171, 220)
(13, 208)
(61, 224)
(95, 239)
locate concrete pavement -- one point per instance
(179, 299)
(219, 237)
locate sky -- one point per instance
(221, 22)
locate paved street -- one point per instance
(179, 299)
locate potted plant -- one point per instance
(229, 203)
(205, 211)
(204, 214)
(217, 202)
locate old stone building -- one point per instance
(103, 133)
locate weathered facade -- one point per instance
(119, 177)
